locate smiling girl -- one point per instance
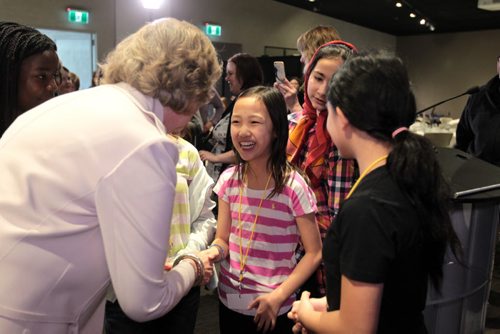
(265, 206)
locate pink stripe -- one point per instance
(263, 254)
(262, 220)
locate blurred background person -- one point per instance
(29, 70)
(478, 131)
(103, 156)
(66, 85)
(75, 79)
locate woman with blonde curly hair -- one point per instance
(87, 188)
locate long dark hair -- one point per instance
(373, 91)
(17, 42)
(276, 107)
(248, 70)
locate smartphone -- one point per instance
(279, 68)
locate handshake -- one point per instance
(202, 262)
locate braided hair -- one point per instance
(17, 42)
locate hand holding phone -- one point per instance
(279, 68)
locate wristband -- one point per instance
(220, 250)
(200, 268)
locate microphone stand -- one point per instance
(469, 91)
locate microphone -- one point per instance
(469, 91)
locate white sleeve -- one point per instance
(203, 222)
(134, 202)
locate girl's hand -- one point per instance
(267, 311)
(208, 156)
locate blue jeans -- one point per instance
(180, 320)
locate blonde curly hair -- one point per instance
(167, 59)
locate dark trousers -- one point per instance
(180, 320)
(231, 322)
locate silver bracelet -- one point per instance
(200, 268)
(220, 250)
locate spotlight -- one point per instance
(151, 4)
(412, 15)
(399, 4)
(422, 22)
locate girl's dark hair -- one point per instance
(17, 42)
(248, 70)
(373, 91)
(332, 49)
(276, 107)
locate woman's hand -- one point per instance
(208, 156)
(267, 310)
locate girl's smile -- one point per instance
(252, 130)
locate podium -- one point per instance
(461, 306)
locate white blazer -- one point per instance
(85, 183)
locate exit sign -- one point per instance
(213, 29)
(78, 16)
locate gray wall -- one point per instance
(445, 65)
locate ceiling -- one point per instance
(384, 16)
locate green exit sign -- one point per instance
(213, 29)
(78, 16)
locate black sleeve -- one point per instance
(464, 134)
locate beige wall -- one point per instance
(254, 23)
(445, 65)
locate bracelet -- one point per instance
(220, 250)
(200, 268)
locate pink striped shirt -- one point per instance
(271, 257)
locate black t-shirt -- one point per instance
(376, 238)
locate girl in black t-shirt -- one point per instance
(392, 231)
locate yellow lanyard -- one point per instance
(367, 170)
(243, 259)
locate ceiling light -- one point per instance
(422, 21)
(399, 4)
(151, 4)
(488, 4)
(312, 0)
(412, 15)
(432, 28)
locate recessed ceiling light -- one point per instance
(399, 4)
(422, 21)
(412, 15)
